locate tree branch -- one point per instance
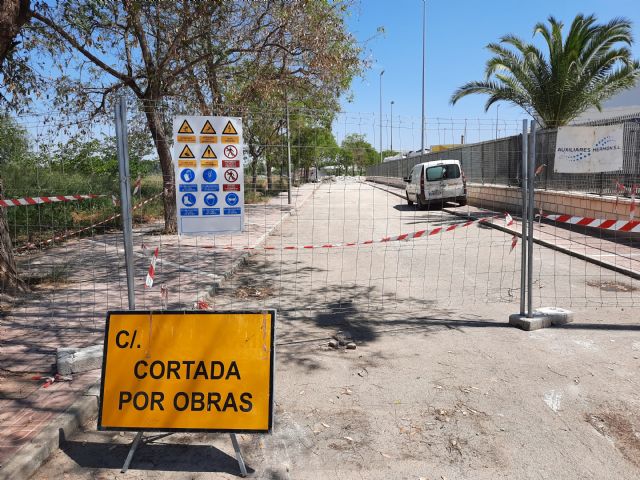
(127, 80)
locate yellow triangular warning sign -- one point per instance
(185, 128)
(209, 153)
(186, 152)
(229, 129)
(208, 129)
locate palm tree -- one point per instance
(590, 65)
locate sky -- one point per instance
(456, 33)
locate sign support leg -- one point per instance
(132, 450)
(236, 447)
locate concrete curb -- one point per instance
(600, 263)
(544, 243)
(30, 457)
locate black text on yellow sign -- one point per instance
(188, 371)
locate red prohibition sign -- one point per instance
(231, 175)
(230, 151)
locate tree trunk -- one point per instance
(254, 174)
(269, 178)
(13, 15)
(10, 282)
(160, 141)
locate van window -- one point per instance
(415, 174)
(443, 172)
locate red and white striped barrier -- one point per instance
(615, 225)
(152, 269)
(57, 238)
(397, 238)
(16, 202)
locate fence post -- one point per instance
(530, 205)
(125, 195)
(525, 214)
(289, 153)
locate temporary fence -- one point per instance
(497, 161)
(342, 250)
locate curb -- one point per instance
(544, 243)
(30, 457)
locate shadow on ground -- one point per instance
(170, 457)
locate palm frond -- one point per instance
(589, 65)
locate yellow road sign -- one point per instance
(207, 129)
(186, 153)
(185, 128)
(188, 371)
(229, 129)
(209, 153)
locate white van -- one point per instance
(434, 183)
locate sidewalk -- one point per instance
(77, 283)
(619, 253)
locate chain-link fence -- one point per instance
(499, 162)
(342, 250)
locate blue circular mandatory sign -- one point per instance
(232, 199)
(187, 175)
(188, 199)
(209, 175)
(210, 199)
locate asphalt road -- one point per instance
(439, 386)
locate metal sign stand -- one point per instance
(139, 437)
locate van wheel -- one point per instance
(462, 201)
(409, 202)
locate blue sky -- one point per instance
(457, 32)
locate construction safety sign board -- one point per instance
(188, 371)
(207, 156)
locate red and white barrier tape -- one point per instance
(64, 236)
(16, 202)
(615, 225)
(152, 269)
(397, 238)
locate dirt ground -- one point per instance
(454, 399)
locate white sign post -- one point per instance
(589, 149)
(207, 157)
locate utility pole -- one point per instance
(391, 136)
(424, 22)
(381, 73)
(497, 110)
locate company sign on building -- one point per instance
(589, 149)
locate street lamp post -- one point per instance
(381, 73)
(391, 136)
(424, 17)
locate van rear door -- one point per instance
(444, 181)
